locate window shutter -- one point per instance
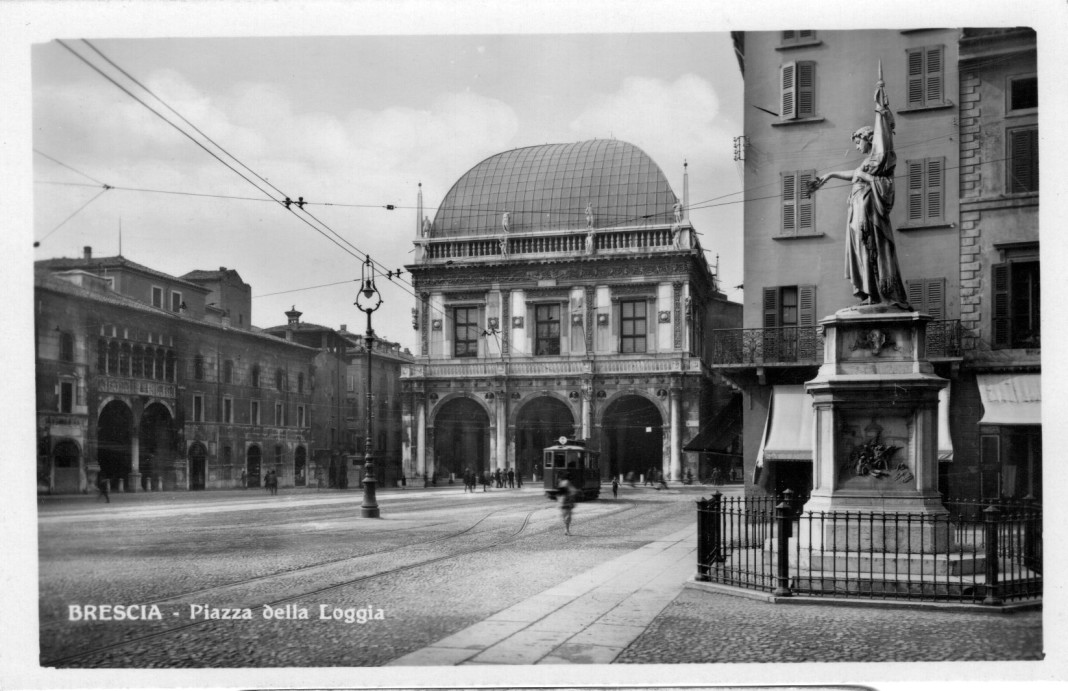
(788, 36)
(916, 197)
(789, 203)
(1024, 164)
(771, 308)
(915, 77)
(935, 193)
(806, 305)
(806, 34)
(805, 217)
(789, 90)
(933, 74)
(935, 302)
(915, 292)
(806, 89)
(1001, 324)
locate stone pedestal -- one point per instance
(875, 400)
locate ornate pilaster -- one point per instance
(676, 289)
(591, 294)
(506, 320)
(424, 329)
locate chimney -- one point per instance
(87, 252)
(343, 329)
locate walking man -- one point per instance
(103, 486)
(511, 478)
(615, 488)
(567, 494)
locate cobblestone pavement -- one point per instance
(712, 627)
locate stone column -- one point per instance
(676, 443)
(502, 431)
(587, 410)
(420, 435)
(135, 462)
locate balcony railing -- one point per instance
(606, 241)
(803, 345)
(542, 366)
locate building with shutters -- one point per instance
(965, 220)
(562, 291)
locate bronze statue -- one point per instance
(870, 255)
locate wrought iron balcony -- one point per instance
(803, 345)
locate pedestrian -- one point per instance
(689, 476)
(662, 481)
(615, 488)
(567, 494)
(630, 479)
(648, 477)
(511, 478)
(102, 488)
(716, 478)
(485, 480)
(497, 476)
(519, 480)
(244, 479)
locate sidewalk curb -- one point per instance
(761, 596)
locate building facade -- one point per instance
(562, 292)
(339, 402)
(957, 219)
(144, 383)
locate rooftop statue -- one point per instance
(870, 255)
(506, 222)
(589, 214)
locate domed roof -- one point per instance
(548, 188)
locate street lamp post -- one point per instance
(367, 301)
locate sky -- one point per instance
(356, 122)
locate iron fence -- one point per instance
(978, 552)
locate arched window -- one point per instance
(255, 375)
(198, 367)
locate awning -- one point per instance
(788, 430)
(1011, 399)
(945, 442)
(717, 434)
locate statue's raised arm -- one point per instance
(870, 254)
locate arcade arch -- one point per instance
(539, 423)
(461, 437)
(633, 436)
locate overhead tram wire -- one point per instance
(287, 203)
(206, 149)
(95, 197)
(61, 163)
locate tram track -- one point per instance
(308, 593)
(170, 631)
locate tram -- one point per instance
(571, 459)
